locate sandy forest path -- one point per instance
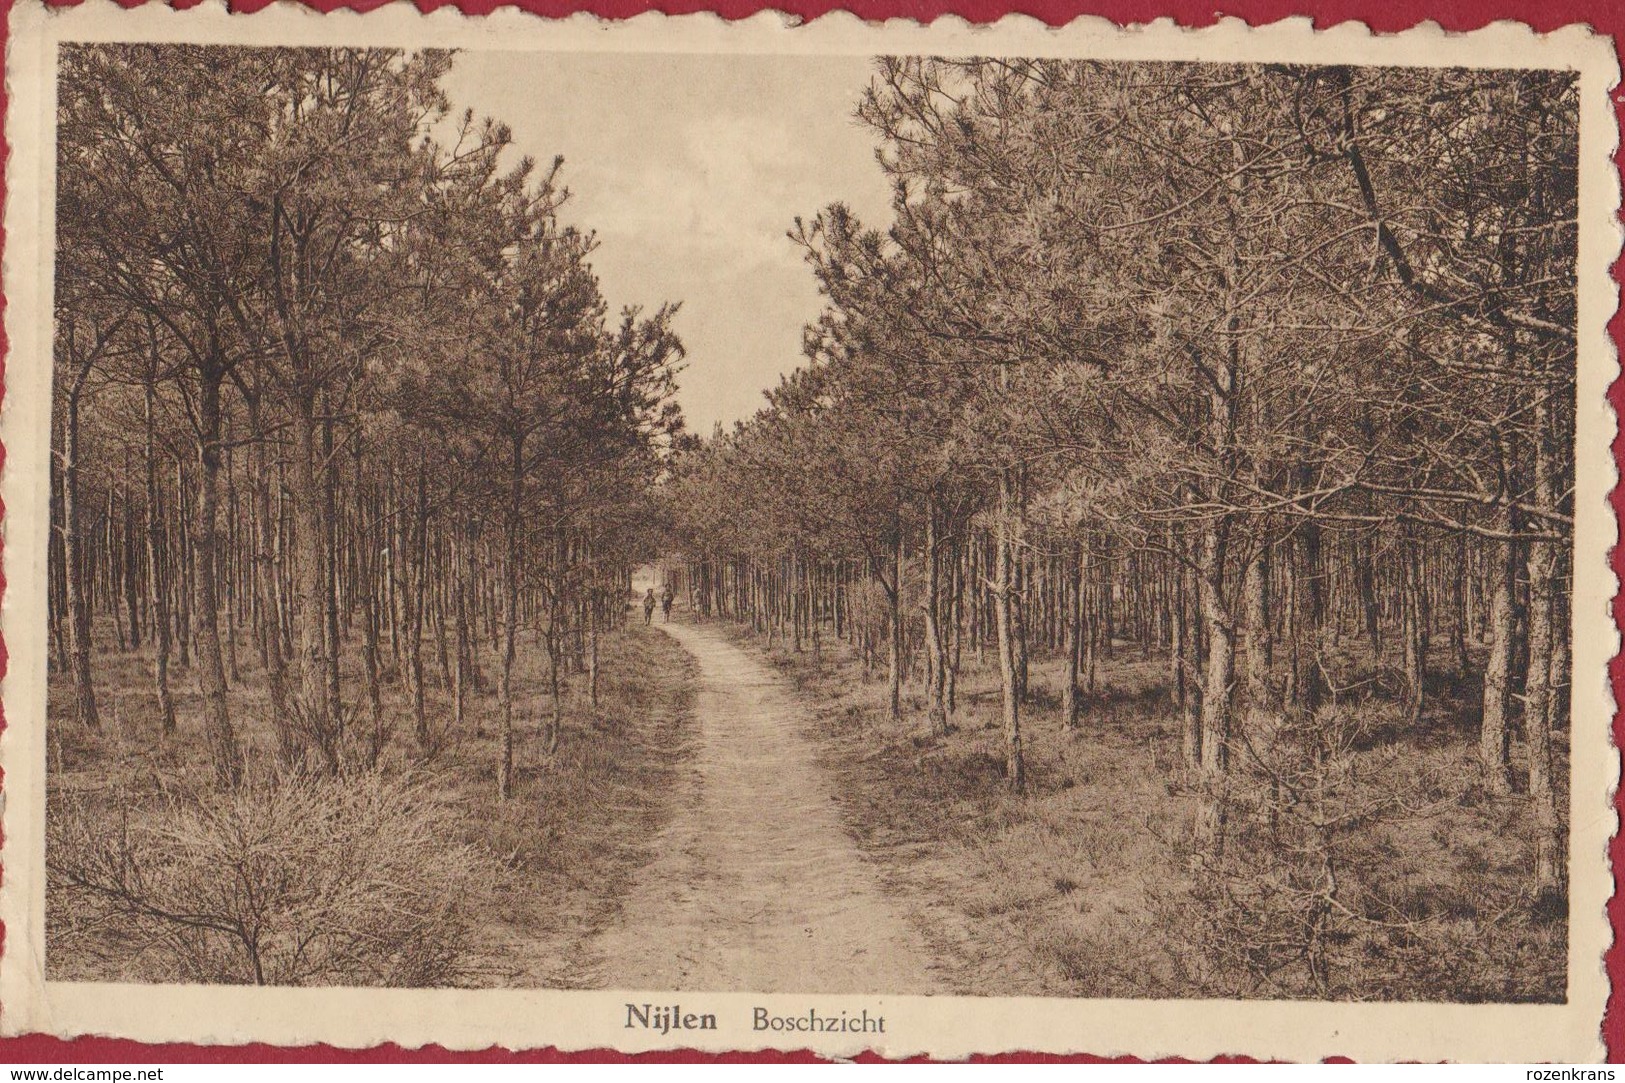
(756, 884)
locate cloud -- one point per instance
(724, 200)
(690, 169)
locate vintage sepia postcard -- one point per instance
(923, 539)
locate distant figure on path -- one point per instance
(666, 597)
(649, 606)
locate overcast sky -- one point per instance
(691, 170)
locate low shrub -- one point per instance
(1351, 870)
(296, 881)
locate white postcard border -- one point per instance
(943, 1027)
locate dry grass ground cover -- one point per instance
(1362, 862)
(413, 874)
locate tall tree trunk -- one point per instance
(592, 647)
(1367, 583)
(267, 582)
(1020, 589)
(1072, 636)
(115, 572)
(793, 598)
(1414, 626)
(894, 655)
(1460, 617)
(1543, 792)
(1495, 729)
(1539, 700)
(330, 579)
(1562, 658)
(937, 653)
(1186, 689)
(1256, 630)
(956, 624)
(461, 543)
(157, 572)
(211, 671)
(555, 638)
(182, 555)
(1015, 770)
(58, 617)
(510, 615)
(74, 560)
(229, 566)
(310, 585)
(366, 585)
(811, 606)
(1218, 627)
(1308, 681)
(420, 717)
(1217, 686)
(129, 563)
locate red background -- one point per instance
(1604, 16)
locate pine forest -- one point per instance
(1154, 575)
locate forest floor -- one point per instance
(567, 846)
(586, 821)
(1086, 886)
(735, 817)
(756, 886)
